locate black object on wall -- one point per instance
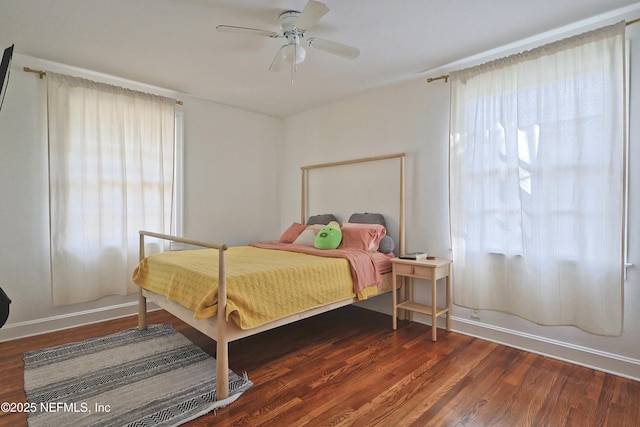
(4, 307)
(4, 73)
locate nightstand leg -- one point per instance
(410, 280)
(402, 313)
(434, 309)
(394, 298)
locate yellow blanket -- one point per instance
(263, 285)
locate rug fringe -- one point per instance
(237, 384)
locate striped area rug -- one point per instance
(155, 377)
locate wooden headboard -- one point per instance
(401, 191)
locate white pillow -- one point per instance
(308, 236)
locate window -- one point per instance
(536, 173)
(112, 164)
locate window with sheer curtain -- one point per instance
(537, 183)
(111, 168)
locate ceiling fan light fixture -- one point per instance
(294, 53)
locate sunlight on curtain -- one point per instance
(536, 176)
(111, 155)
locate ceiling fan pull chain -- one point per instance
(293, 70)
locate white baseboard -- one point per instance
(29, 328)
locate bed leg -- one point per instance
(222, 369)
(222, 345)
(142, 301)
(142, 311)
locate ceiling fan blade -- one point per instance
(335, 48)
(311, 14)
(279, 61)
(246, 30)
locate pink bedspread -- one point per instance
(365, 269)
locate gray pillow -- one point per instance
(387, 245)
(367, 218)
(323, 219)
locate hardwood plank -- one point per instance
(348, 367)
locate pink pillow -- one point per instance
(365, 237)
(292, 232)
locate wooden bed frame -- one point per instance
(223, 332)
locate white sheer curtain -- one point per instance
(111, 156)
(536, 182)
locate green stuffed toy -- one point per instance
(329, 237)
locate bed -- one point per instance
(215, 289)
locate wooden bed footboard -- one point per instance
(222, 344)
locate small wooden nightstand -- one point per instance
(429, 269)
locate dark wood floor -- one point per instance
(348, 367)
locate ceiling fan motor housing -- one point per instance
(288, 22)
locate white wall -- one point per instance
(231, 186)
(230, 181)
(392, 120)
(413, 117)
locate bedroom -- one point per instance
(409, 115)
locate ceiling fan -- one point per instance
(294, 27)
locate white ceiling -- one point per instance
(173, 44)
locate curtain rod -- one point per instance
(446, 76)
(433, 79)
(44, 73)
